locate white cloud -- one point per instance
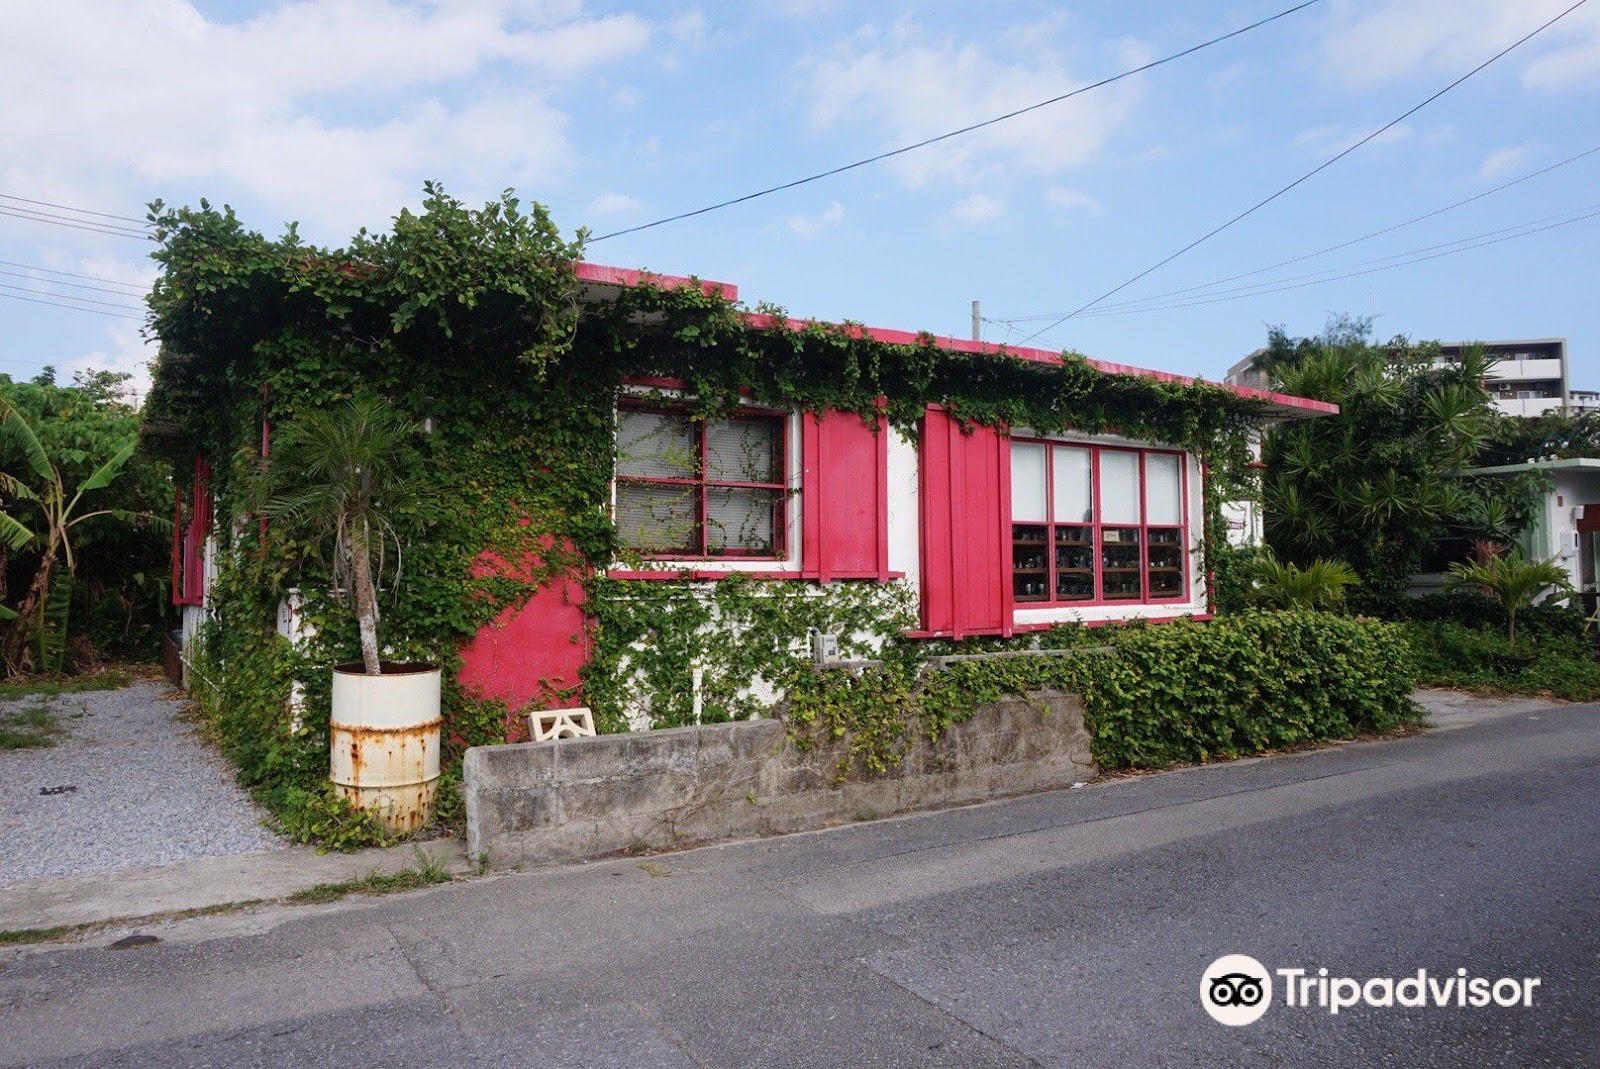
(330, 111)
(977, 208)
(909, 84)
(607, 204)
(1071, 200)
(1329, 140)
(808, 225)
(799, 9)
(1507, 160)
(125, 351)
(690, 29)
(1377, 42)
(1226, 76)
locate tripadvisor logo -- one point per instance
(1236, 990)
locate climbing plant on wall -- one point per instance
(472, 320)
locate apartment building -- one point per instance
(1528, 378)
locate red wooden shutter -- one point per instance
(965, 493)
(844, 497)
(189, 554)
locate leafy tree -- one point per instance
(1382, 480)
(1512, 581)
(1518, 439)
(46, 517)
(120, 593)
(338, 476)
(1320, 585)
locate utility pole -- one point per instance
(977, 323)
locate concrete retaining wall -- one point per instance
(582, 798)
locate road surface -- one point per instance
(1066, 929)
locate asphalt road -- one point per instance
(1068, 929)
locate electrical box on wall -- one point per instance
(824, 648)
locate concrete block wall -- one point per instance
(582, 798)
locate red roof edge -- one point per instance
(621, 276)
(627, 277)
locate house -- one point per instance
(1566, 526)
(985, 528)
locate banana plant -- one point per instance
(49, 518)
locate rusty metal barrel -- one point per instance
(384, 731)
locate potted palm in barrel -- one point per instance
(337, 478)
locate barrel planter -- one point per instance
(385, 742)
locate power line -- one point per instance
(1352, 274)
(93, 228)
(1268, 288)
(1320, 252)
(73, 285)
(955, 133)
(74, 307)
(34, 212)
(68, 297)
(1152, 303)
(69, 208)
(1308, 175)
(69, 274)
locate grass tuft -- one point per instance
(50, 686)
(424, 871)
(28, 728)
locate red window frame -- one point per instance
(700, 484)
(1097, 527)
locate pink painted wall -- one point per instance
(527, 654)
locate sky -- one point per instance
(334, 112)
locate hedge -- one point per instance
(1191, 692)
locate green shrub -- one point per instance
(1449, 654)
(1188, 692)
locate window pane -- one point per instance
(1163, 489)
(740, 520)
(743, 451)
(1074, 563)
(1119, 562)
(1074, 494)
(657, 445)
(1119, 486)
(1027, 482)
(1029, 564)
(656, 518)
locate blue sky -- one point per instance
(333, 112)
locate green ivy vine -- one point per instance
(473, 320)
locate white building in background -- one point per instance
(1528, 378)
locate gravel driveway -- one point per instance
(128, 786)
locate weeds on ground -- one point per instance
(25, 936)
(424, 871)
(13, 937)
(50, 686)
(28, 728)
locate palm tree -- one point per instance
(55, 514)
(1512, 581)
(338, 476)
(1320, 585)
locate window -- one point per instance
(691, 488)
(1096, 524)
